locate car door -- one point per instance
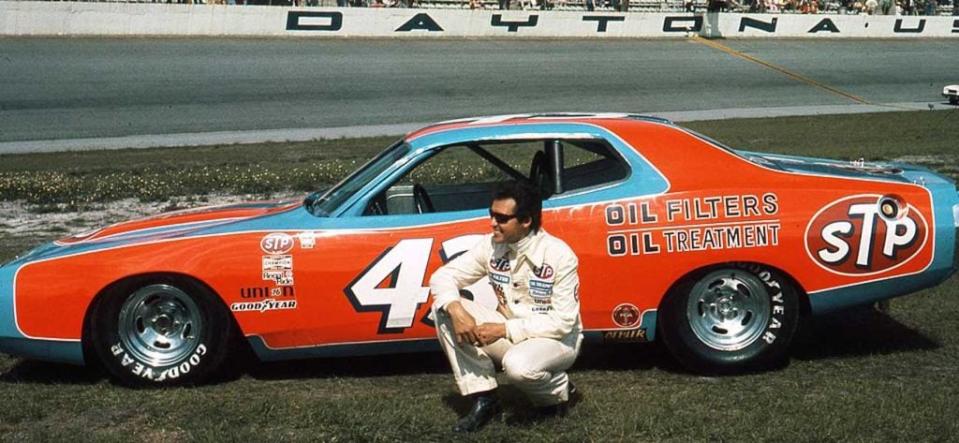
(410, 224)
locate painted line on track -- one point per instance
(309, 134)
(795, 76)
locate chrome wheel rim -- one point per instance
(728, 310)
(160, 325)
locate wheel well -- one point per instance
(125, 285)
(804, 306)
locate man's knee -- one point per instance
(520, 369)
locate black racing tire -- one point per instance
(161, 332)
(730, 319)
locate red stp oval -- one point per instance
(277, 243)
(851, 236)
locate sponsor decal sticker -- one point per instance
(694, 224)
(626, 315)
(277, 243)
(502, 279)
(538, 288)
(624, 336)
(544, 272)
(865, 234)
(278, 269)
(281, 278)
(278, 262)
(263, 305)
(307, 239)
(499, 264)
(266, 292)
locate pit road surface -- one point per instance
(94, 88)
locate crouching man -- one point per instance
(535, 332)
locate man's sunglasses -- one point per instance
(501, 218)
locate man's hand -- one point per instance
(490, 332)
(464, 325)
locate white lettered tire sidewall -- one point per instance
(179, 314)
(692, 324)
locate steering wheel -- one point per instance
(421, 199)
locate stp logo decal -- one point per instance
(545, 272)
(626, 315)
(865, 234)
(277, 243)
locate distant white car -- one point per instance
(952, 93)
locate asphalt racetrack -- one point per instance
(56, 89)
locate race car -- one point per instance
(951, 93)
(718, 252)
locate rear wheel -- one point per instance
(162, 333)
(730, 319)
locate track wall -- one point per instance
(132, 19)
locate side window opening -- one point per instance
(589, 163)
(463, 176)
(458, 177)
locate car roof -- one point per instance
(514, 119)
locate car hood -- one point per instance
(181, 222)
(162, 226)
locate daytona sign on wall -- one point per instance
(74, 19)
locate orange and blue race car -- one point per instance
(717, 252)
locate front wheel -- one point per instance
(163, 333)
(730, 319)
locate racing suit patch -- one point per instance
(502, 279)
(539, 288)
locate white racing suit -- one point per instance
(537, 286)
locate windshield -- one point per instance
(326, 203)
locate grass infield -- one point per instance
(860, 375)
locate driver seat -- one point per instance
(539, 175)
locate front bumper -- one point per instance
(15, 343)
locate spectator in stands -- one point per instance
(955, 7)
(870, 6)
(886, 7)
(758, 6)
(716, 6)
(809, 7)
(503, 4)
